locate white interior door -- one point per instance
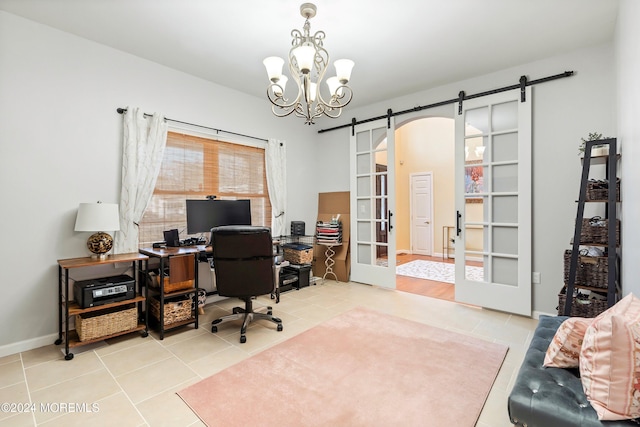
(373, 242)
(421, 214)
(493, 202)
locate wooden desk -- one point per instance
(179, 272)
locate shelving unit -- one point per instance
(609, 241)
(67, 307)
(183, 267)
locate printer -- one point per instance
(93, 292)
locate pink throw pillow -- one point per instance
(564, 349)
(610, 361)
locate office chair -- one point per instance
(243, 264)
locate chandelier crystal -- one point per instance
(308, 62)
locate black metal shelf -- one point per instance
(611, 246)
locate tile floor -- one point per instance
(132, 381)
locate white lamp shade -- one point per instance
(479, 150)
(343, 69)
(282, 82)
(313, 87)
(304, 57)
(334, 86)
(273, 64)
(98, 217)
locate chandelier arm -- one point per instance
(339, 101)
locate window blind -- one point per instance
(194, 168)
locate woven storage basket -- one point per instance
(596, 234)
(581, 306)
(171, 287)
(599, 191)
(298, 254)
(100, 324)
(175, 310)
(591, 271)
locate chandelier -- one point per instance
(308, 62)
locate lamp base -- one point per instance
(99, 244)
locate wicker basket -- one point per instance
(170, 287)
(599, 190)
(597, 234)
(298, 254)
(100, 324)
(175, 309)
(591, 271)
(582, 306)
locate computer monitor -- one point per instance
(203, 215)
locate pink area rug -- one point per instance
(362, 368)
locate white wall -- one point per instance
(628, 89)
(564, 110)
(60, 144)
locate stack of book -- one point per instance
(329, 232)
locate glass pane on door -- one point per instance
(372, 196)
(490, 190)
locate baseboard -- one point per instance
(537, 314)
(27, 345)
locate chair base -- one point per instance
(248, 315)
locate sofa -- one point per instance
(551, 397)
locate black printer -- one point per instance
(93, 292)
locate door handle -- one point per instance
(458, 216)
(427, 222)
(390, 226)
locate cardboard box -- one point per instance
(329, 206)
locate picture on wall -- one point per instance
(473, 182)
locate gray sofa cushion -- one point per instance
(551, 397)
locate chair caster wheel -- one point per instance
(279, 327)
(214, 329)
(243, 339)
(236, 310)
(58, 341)
(145, 334)
(69, 356)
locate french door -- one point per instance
(493, 202)
(373, 242)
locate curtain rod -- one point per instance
(124, 110)
(461, 97)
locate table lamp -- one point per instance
(97, 217)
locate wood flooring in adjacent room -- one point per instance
(429, 288)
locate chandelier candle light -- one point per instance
(308, 61)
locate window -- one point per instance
(193, 168)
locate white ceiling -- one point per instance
(398, 47)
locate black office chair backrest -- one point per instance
(243, 260)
